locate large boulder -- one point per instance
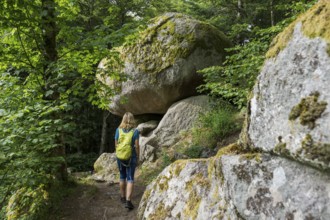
(161, 65)
(187, 189)
(290, 112)
(237, 186)
(179, 117)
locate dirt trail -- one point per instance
(99, 201)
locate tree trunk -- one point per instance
(239, 9)
(272, 12)
(49, 32)
(104, 132)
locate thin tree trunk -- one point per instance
(239, 9)
(49, 30)
(272, 12)
(104, 131)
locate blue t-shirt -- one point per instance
(134, 138)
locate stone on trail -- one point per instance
(106, 169)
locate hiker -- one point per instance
(127, 152)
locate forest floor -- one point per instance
(98, 201)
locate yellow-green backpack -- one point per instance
(124, 145)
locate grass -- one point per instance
(214, 126)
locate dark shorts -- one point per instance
(127, 170)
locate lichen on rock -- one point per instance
(276, 188)
(190, 193)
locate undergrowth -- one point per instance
(222, 121)
(148, 173)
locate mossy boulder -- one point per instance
(289, 112)
(235, 184)
(27, 203)
(105, 168)
(184, 190)
(161, 64)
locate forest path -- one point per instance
(99, 201)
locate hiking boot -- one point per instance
(123, 200)
(129, 205)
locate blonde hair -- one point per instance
(128, 121)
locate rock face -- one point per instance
(245, 186)
(290, 108)
(268, 187)
(179, 117)
(147, 127)
(161, 65)
(105, 168)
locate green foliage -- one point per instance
(148, 174)
(235, 79)
(193, 151)
(81, 162)
(28, 139)
(46, 104)
(166, 159)
(216, 125)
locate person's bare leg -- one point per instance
(129, 190)
(122, 186)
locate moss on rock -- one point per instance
(27, 203)
(199, 180)
(161, 212)
(165, 41)
(192, 205)
(281, 149)
(308, 110)
(315, 150)
(315, 23)
(178, 166)
(251, 156)
(229, 150)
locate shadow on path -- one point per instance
(99, 201)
